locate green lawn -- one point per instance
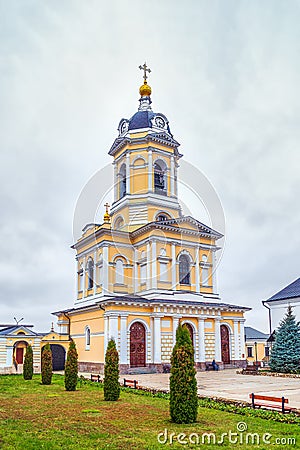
(37, 417)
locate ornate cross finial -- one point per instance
(145, 69)
(106, 215)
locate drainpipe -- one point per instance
(69, 328)
(270, 318)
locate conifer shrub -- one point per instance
(46, 365)
(183, 383)
(28, 364)
(111, 373)
(285, 353)
(71, 368)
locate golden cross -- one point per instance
(145, 69)
(107, 206)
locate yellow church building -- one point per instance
(148, 267)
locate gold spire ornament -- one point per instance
(106, 215)
(145, 89)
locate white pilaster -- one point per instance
(154, 265)
(172, 175)
(135, 272)
(84, 276)
(127, 173)
(123, 340)
(173, 265)
(105, 270)
(242, 337)
(237, 354)
(113, 328)
(9, 356)
(115, 182)
(157, 340)
(201, 336)
(218, 354)
(197, 269)
(175, 326)
(148, 267)
(105, 333)
(214, 272)
(150, 171)
(95, 272)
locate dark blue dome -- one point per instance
(141, 119)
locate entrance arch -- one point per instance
(137, 345)
(191, 331)
(58, 356)
(225, 347)
(19, 351)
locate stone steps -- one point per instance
(140, 370)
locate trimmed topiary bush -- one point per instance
(285, 353)
(183, 383)
(46, 365)
(111, 373)
(28, 364)
(71, 368)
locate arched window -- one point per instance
(119, 271)
(90, 271)
(184, 270)
(119, 223)
(161, 217)
(160, 185)
(87, 338)
(122, 181)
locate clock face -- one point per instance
(160, 122)
(124, 126)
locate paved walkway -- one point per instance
(228, 384)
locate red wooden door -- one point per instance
(225, 348)
(19, 355)
(137, 345)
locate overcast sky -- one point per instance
(225, 73)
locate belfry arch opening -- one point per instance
(160, 180)
(122, 181)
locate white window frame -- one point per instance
(119, 271)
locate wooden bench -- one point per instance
(250, 370)
(95, 378)
(130, 383)
(264, 401)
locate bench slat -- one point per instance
(268, 398)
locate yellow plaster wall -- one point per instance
(260, 351)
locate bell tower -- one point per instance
(145, 167)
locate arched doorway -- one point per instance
(137, 345)
(19, 351)
(225, 347)
(58, 356)
(190, 330)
